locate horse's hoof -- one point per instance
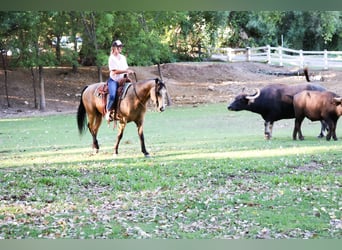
(147, 156)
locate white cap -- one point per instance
(117, 43)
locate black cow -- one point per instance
(273, 102)
(317, 106)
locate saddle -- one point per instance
(102, 92)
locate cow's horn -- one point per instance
(256, 95)
(338, 99)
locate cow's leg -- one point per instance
(335, 126)
(324, 127)
(268, 130)
(332, 130)
(142, 139)
(297, 129)
(121, 128)
(271, 129)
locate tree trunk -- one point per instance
(74, 65)
(74, 68)
(74, 27)
(58, 49)
(34, 89)
(42, 90)
(99, 72)
(4, 63)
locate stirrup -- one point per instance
(109, 117)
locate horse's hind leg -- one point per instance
(93, 125)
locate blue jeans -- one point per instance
(112, 87)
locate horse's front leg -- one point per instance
(142, 139)
(121, 129)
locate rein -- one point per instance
(156, 93)
(136, 94)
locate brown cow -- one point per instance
(317, 106)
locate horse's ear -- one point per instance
(157, 80)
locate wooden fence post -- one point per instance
(229, 54)
(301, 58)
(325, 59)
(280, 51)
(268, 54)
(248, 52)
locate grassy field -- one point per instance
(211, 175)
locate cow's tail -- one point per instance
(81, 114)
(306, 73)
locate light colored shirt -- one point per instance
(117, 63)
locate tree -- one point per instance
(7, 27)
(308, 30)
(199, 29)
(31, 48)
(96, 32)
(143, 33)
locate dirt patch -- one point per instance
(308, 167)
(188, 84)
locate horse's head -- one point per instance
(160, 97)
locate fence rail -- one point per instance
(280, 56)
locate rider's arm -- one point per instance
(119, 71)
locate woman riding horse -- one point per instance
(131, 108)
(118, 67)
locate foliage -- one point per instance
(204, 180)
(153, 37)
(139, 31)
(232, 35)
(163, 36)
(307, 30)
(199, 29)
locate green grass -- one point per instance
(211, 175)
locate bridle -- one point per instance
(158, 86)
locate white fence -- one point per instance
(280, 56)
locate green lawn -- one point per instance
(211, 175)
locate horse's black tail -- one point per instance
(81, 115)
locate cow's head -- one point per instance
(242, 101)
(337, 101)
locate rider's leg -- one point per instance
(112, 87)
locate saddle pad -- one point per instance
(125, 88)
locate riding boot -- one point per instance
(108, 116)
(112, 88)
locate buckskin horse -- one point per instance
(131, 108)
